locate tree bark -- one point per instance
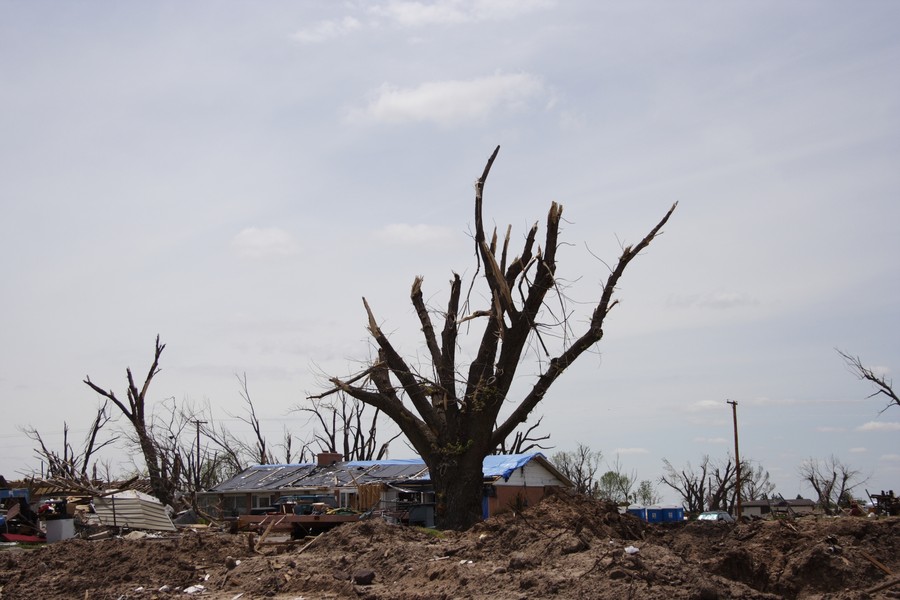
(459, 488)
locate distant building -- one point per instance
(401, 487)
(777, 506)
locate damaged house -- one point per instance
(400, 487)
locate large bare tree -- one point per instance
(136, 411)
(450, 413)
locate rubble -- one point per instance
(516, 555)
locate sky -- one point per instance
(237, 176)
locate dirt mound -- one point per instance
(565, 547)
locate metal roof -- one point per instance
(268, 478)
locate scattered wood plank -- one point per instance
(266, 533)
(313, 541)
(875, 562)
(883, 586)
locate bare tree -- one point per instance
(755, 482)
(881, 383)
(580, 466)
(136, 413)
(262, 454)
(231, 450)
(70, 467)
(453, 421)
(722, 485)
(524, 440)
(343, 427)
(832, 480)
(713, 485)
(689, 483)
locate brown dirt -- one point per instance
(564, 547)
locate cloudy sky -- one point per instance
(236, 176)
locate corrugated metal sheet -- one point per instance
(274, 478)
(134, 510)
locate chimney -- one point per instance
(326, 459)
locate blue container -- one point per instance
(665, 514)
(638, 511)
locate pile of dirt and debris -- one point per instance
(564, 547)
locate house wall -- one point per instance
(525, 487)
(531, 475)
(509, 498)
(753, 511)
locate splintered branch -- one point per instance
(880, 382)
(590, 337)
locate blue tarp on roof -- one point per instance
(501, 465)
(504, 465)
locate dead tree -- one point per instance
(689, 483)
(524, 441)
(453, 421)
(343, 427)
(263, 455)
(755, 482)
(722, 490)
(832, 480)
(136, 413)
(71, 468)
(580, 466)
(881, 383)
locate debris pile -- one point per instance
(565, 547)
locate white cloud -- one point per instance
(715, 300)
(879, 426)
(715, 440)
(890, 457)
(403, 233)
(632, 451)
(455, 12)
(858, 450)
(326, 30)
(706, 405)
(255, 242)
(449, 102)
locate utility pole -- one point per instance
(737, 458)
(197, 466)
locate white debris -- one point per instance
(631, 550)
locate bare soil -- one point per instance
(564, 547)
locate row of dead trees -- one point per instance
(185, 448)
(711, 484)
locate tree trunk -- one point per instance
(158, 483)
(458, 486)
